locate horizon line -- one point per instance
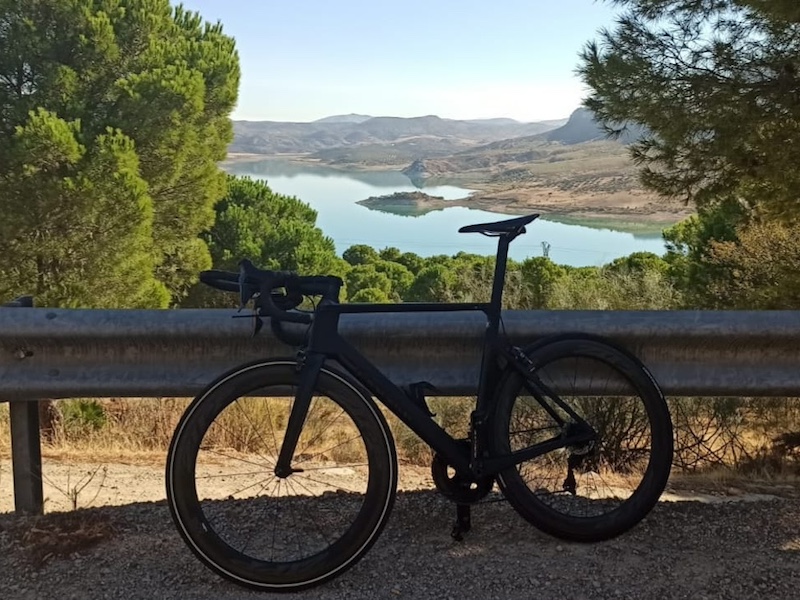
(409, 118)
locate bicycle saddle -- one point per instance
(509, 226)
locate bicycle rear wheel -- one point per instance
(280, 533)
(600, 489)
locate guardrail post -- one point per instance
(26, 457)
(26, 450)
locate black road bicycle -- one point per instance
(282, 473)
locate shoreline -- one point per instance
(630, 211)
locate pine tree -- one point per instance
(715, 85)
(113, 116)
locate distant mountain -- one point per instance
(582, 127)
(351, 118)
(417, 135)
(531, 159)
(497, 121)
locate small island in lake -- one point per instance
(408, 203)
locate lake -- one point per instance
(333, 194)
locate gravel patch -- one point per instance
(689, 549)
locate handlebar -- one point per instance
(250, 280)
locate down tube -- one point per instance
(409, 413)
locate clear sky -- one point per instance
(461, 59)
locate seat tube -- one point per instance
(302, 401)
(488, 374)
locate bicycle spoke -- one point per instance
(328, 467)
(218, 425)
(313, 520)
(322, 431)
(586, 480)
(247, 543)
(339, 445)
(275, 522)
(328, 484)
(223, 475)
(211, 450)
(256, 430)
(247, 487)
(271, 428)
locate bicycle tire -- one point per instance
(221, 484)
(603, 485)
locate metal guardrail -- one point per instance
(55, 353)
(59, 353)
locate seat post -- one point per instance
(498, 282)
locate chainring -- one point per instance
(455, 487)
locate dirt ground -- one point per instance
(720, 540)
(90, 484)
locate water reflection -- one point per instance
(334, 195)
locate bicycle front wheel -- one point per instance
(280, 533)
(599, 489)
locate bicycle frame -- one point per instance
(516, 417)
(325, 342)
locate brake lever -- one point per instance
(246, 291)
(244, 297)
(258, 322)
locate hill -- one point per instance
(421, 135)
(603, 165)
(582, 127)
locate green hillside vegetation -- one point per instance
(114, 118)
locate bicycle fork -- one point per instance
(309, 367)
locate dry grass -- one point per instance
(753, 436)
(5, 432)
(452, 414)
(255, 425)
(126, 430)
(138, 431)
